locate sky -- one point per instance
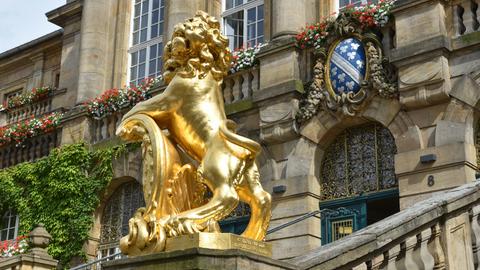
(24, 20)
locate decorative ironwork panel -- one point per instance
(386, 162)
(118, 210)
(360, 160)
(342, 228)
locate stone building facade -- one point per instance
(422, 142)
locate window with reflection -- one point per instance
(147, 40)
(119, 208)
(343, 3)
(9, 226)
(359, 161)
(243, 22)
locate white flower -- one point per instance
(334, 83)
(355, 46)
(359, 64)
(341, 90)
(341, 77)
(334, 71)
(350, 85)
(351, 55)
(343, 49)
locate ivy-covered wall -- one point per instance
(61, 191)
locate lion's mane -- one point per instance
(197, 47)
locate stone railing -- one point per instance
(32, 149)
(104, 128)
(241, 85)
(28, 110)
(442, 232)
(466, 16)
(37, 257)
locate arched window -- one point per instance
(119, 208)
(360, 160)
(358, 183)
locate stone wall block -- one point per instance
(410, 140)
(382, 110)
(278, 68)
(76, 130)
(466, 89)
(420, 22)
(448, 132)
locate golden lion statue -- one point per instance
(187, 123)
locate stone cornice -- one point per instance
(61, 15)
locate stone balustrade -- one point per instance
(32, 149)
(466, 16)
(442, 232)
(28, 110)
(104, 128)
(241, 85)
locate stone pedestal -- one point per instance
(199, 259)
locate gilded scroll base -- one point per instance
(219, 241)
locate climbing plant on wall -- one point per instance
(61, 191)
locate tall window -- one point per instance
(118, 210)
(147, 40)
(359, 161)
(9, 226)
(343, 3)
(243, 22)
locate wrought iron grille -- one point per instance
(119, 209)
(360, 160)
(342, 228)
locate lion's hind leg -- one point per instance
(260, 201)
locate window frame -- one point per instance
(10, 214)
(247, 5)
(158, 40)
(362, 2)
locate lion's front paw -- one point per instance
(175, 226)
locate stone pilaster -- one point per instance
(38, 66)
(179, 10)
(288, 17)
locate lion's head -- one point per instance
(197, 47)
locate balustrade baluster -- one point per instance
(408, 262)
(104, 128)
(469, 16)
(247, 84)
(98, 130)
(474, 221)
(237, 88)
(376, 262)
(228, 90)
(458, 12)
(390, 258)
(477, 13)
(38, 148)
(436, 249)
(425, 237)
(1, 157)
(362, 266)
(255, 80)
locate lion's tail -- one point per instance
(227, 131)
